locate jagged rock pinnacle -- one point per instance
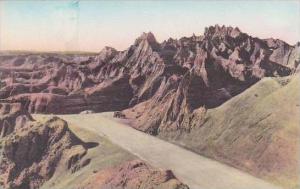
(150, 40)
(149, 37)
(107, 53)
(222, 31)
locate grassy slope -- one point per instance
(256, 131)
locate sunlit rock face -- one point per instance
(214, 67)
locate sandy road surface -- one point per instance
(196, 171)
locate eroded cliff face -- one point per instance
(215, 67)
(54, 83)
(209, 70)
(31, 152)
(12, 116)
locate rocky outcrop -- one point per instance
(33, 152)
(133, 174)
(216, 66)
(12, 116)
(213, 68)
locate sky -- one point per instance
(91, 25)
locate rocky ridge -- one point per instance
(213, 68)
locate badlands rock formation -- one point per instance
(202, 70)
(31, 153)
(178, 90)
(12, 116)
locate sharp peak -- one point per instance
(193, 36)
(148, 36)
(223, 27)
(107, 48)
(217, 29)
(272, 41)
(107, 52)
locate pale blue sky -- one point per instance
(91, 25)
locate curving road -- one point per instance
(192, 169)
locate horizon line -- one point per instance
(97, 51)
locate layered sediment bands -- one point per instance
(227, 60)
(110, 95)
